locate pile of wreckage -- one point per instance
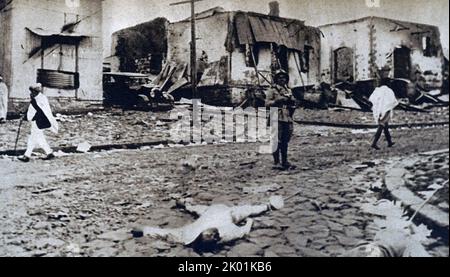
(344, 95)
(355, 96)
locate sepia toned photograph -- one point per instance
(224, 128)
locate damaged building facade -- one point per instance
(240, 53)
(57, 43)
(362, 49)
(141, 48)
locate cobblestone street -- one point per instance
(86, 204)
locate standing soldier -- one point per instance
(41, 117)
(3, 101)
(281, 97)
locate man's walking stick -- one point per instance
(18, 134)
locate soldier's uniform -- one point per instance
(282, 98)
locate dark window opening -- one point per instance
(429, 50)
(402, 63)
(280, 58)
(283, 58)
(251, 55)
(305, 59)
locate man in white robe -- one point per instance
(41, 117)
(384, 102)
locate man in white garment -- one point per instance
(3, 101)
(384, 102)
(216, 224)
(41, 117)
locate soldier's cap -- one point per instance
(279, 74)
(36, 87)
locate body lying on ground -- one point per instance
(217, 224)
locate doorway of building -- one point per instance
(343, 65)
(402, 62)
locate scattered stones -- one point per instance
(262, 189)
(353, 232)
(42, 226)
(262, 241)
(308, 252)
(270, 254)
(348, 241)
(104, 252)
(116, 236)
(137, 182)
(297, 240)
(59, 216)
(48, 242)
(73, 248)
(246, 250)
(160, 245)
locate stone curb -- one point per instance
(396, 185)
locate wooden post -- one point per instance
(42, 60)
(193, 46)
(193, 52)
(77, 65)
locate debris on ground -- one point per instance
(83, 147)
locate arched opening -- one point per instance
(343, 64)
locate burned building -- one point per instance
(239, 51)
(141, 48)
(362, 49)
(57, 43)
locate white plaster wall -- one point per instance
(354, 35)
(210, 40)
(50, 15)
(387, 41)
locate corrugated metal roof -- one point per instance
(251, 28)
(243, 30)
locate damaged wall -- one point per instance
(377, 44)
(354, 35)
(53, 15)
(211, 41)
(233, 69)
(146, 42)
(424, 44)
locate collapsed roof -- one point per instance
(252, 28)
